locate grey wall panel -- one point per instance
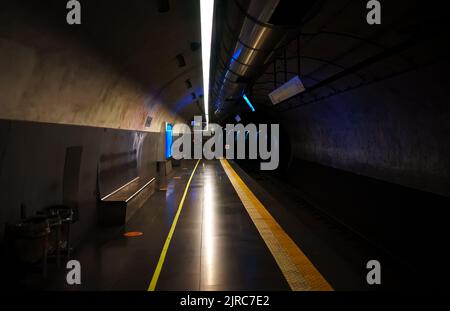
(32, 160)
(397, 131)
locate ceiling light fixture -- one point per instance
(249, 103)
(206, 19)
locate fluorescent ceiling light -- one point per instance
(248, 102)
(206, 19)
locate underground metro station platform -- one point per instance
(201, 147)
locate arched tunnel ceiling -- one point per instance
(122, 63)
(336, 40)
(145, 42)
(119, 66)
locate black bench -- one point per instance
(120, 191)
(122, 203)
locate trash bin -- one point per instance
(54, 238)
(27, 241)
(66, 217)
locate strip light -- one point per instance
(248, 102)
(206, 19)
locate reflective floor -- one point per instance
(215, 245)
(217, 242)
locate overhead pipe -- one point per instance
(246, 45)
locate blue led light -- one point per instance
(169, 139)
(248, 102)
(237, 54)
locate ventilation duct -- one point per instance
(245, 44)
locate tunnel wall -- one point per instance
(395, 131)
(49, 74)
(58, 91)
(32, 162)
(377, 160)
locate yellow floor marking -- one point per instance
(297, 269)
(162, 257)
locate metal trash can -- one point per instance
(54, 238)
(27, 241)
(66, 217)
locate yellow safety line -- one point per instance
(297, 269)
(162, 257)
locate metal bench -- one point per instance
(121, 192)
(118, 206)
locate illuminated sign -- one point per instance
(287, 90)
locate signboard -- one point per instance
(287, 90)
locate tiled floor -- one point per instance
(215, 245)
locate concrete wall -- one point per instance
(50, 75)
(396, 130)
(32, 158)
(58, 91)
